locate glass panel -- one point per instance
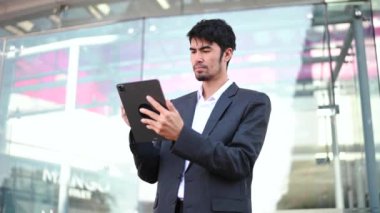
(104, 65)
(375, 83)
(349, 124)
(3, 96)
(166, 54)
(65, 148)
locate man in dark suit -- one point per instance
(213, 136)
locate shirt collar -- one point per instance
(218, 93)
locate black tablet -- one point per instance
(133, 97)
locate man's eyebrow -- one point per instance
(205, 47)
(201, 48)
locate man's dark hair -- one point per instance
(214, 30)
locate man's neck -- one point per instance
(210, 87)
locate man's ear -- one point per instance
(228, 54)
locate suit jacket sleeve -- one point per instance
(147, 158)
(233, 154)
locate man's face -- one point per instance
(206, 60)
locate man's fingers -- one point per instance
(155, 104)
(170, 106)
(149, 113)
(149, 124)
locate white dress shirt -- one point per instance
(202, 113)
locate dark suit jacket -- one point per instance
(222, 157)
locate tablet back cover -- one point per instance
(133, 97)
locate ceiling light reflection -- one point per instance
(94, 12)
(93, 40)
(26, 25)
(55, 19)
(13, 30)
(104, 8)
(152, 28)
(164, 4)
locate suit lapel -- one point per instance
(220, 107)
(187, 112)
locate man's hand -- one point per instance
(124, 115)
(168, 123)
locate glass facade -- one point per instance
(64, 147)
(375, 92)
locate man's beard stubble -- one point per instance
(205, 76)
(202, 77)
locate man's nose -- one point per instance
(198, 57)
